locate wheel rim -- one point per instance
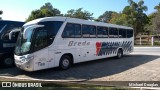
(119, 54)
(8, 61)
(65, 62)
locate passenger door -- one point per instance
(41, 50)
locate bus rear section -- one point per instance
(7, 45)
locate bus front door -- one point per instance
(41, 59)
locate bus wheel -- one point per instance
(7, 61)
(65, 62)
(119, 53)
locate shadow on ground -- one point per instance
(86, 70)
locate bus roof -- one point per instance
(9, 21)
(75, 20)
(4, 22)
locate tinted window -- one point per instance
(102, 32)
(122, 33)
(72, 30)
(129, 33)
(113, 32)
(52, 28)
(77, 28)
(8, 29)
(1, 26)
(40, 39)
(88, 31)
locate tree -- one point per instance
(46, 10)
(156, 23)
(156, 20)
(157, 7)
(149, 27)
(79, 14)
(119, 19)
(1, 12)
(136, 16)
(106, 16)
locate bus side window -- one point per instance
(102, 32)
(85, 31)
(77, 30)
(113, 32)
(68, 31)
(92, 31)
(122, 33)
(88, 31)
(72, 31)
(52, 28)
(129, 33)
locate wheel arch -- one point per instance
(120, 48)
(70, 55)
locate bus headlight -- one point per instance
(24, 60)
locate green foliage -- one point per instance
(153, 27)
(156, 20)
(136, 16)
(79, 14)
(149, 28)
(106, 16)
(156, 23)
(119, 19)
(157, 7)
(132, 15)
(157, 43)
(1, 12)
(46, 10)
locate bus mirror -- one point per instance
(27, 30)
(11, 33)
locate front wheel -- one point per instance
(65, 62)
(119, 53)
(7, 61)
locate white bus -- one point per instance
(61, 41)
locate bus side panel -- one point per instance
(60, 52)
(127, 45)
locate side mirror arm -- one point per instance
(10, 34)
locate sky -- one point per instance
(19, 10)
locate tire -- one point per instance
(7, 61)
(119, 53)
(65, 62)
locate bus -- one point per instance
(7, 45)
(62, 41)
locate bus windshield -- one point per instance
(38, 36)
(23, 45)
(1, 27)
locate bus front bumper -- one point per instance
(27, 66)
(24, 67)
